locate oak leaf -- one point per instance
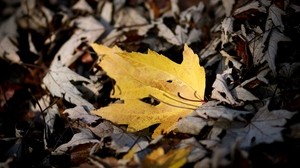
(153, 77)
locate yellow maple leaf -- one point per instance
(139, 76)
(173, 159)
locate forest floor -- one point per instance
(52, 81)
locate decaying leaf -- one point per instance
(151, 76)
(193, 13)
(275, 15)
(128, 17)
(128, 20)
(82, 5)
(173, 159)
(79, 112)
(102, 130)
(106, 10)
(221, 89)
(270, 55)
(197, 150)
(36, 18)
(265, 127)
(219, 158)
(260, 76)
(123, 141)
(58, 81)
(227, 28)
(88, 30)
(295, 131)
(8, 50)
(49, 111)
(191, 125)
(198, 119)
(212, 110)
(6, 164)
(254, 5)
(228, 6)
(242, 94)
(8, 28)
(83, 137)
(177, 38)
(224, 92)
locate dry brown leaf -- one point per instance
(265, 127)
(58, 81)
(79, 112)
(83, 137)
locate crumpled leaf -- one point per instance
(89, 29)
(36, 17)
(8, 50)
(254, 5)
(57, 80)
(123, 141)
(295, 7)
(151, 76)
(120, 140)
(220, 158)
(129, 17)
(221, 87)
(49, 112)
(7, 163)
(83, 137)
(172, 159)
(211, 110)
(209, 50)
(264, 127)
(126, 18)
(242, 94)
(8, 38)
(178, 37)
(260, 76)
(294, 131)
(275, 37)
(79, 112)
(223, 91)
(191, 125)
(230, 58)
(103, 129)
(198, 119)
(227, 29)
(288, 69)
(8, 28)
(256, 48)
(197, 151)
(275, 14)
(193, 13)
(183, 32)
(82, 5)
(106, 11)
(228, 5)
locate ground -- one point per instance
(52, 80)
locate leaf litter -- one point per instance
(53, 85)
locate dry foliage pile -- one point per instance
(173, 83)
